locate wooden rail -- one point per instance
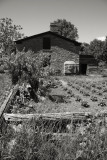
(6, 105)
(47, 116)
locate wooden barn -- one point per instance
(61, 50)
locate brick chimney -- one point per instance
(54, 27)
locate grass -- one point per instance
(5, 85)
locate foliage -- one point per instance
(85, 104)
(78, 98)
(90, 142)
(85, 49)
(86, 93)
(27, 66)
(66, 29)
(94, 98)
(102, 103)
(95, 48)
(105, 50)
(8, 33)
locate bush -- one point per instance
(105, 89)
(78, 88)
(82, 90)
(105, 96)
(94, 91)
(102, 103)
(78, 98)
(85, 104)
(99, 93)
(94, 98)
(86, 93)
(25, 65)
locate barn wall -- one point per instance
(61, 50)
(36, 43)
(59, 56)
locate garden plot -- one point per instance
(88, 94)
(59, 97)
(60, 111)
(64, 94)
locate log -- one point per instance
(46, 116)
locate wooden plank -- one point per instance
(6, 105)
(46, 116)
(10, 96)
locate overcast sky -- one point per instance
(89, 16)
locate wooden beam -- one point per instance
(46, 116)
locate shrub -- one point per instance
(105, 96)
(82, 90)
(88, 87)
(99, 93)
(99, 87)
(85, 104)
(69, 91)
(102, 103)
(78, 98)
(78, 88)
(105, 89)
(93, 90)
(69, 84)
(86, 93)
(94, 98)
(25, 65)
(93, 85)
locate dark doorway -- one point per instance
(83, 68)
(46, 43)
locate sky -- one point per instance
(35, 16)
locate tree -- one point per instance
(66, 29)
(8, 33)
(85, 49)
(105, 50)
(96, 49)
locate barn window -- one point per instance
(46, 43)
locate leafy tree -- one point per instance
(66, 29)
(96, 49)
(8, 33)
(105, 50)
(85, 49)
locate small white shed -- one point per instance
(70, 67)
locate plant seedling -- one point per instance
(85, 104)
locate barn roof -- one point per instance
(52, 33)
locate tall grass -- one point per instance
(30, 142)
